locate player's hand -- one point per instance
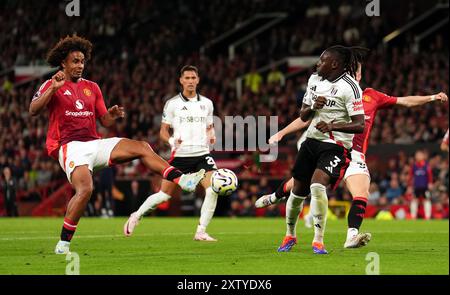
(324, 127)
(212, 140)
(116, 112)
(58, 80)
(441, 96)
(320, 103)
(178, 142)
(175, 142)
(276, 138)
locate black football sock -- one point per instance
(357, 212)
(281, 191)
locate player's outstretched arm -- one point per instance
(114, 113)
(412, 101)
(41, 102)
(164, 135)
(211, 134)
(296, 125)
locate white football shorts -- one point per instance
(357, 165)
(95, 153)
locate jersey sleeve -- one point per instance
(353, 100)
(100, 107)
(445, 139)
(42, 89)
(210, 116)
(168, 116)
(307, 98)
(383, 100)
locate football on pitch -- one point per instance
(224, 182)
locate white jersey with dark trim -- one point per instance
(344, 99)
(189, 119)
(301, 139)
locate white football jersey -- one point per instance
(344, 99)
(301, 139)
(189, 119)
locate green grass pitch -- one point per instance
(164, 245)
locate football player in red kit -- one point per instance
(74, 104)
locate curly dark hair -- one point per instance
(66, 45)
(349, 57)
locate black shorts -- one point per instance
(421, 193)
(331, 158)
(193, 164)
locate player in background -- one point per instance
(444, 143)
(334, 103)
(190, 116)
(421, 180)
(357, 177)
(74, 104)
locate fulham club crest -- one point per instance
(334, 91)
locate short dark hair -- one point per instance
(67, 45)
(188, 68)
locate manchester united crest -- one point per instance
(87, 92)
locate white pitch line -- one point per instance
(184, 234)
(122, 236)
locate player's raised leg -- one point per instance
(168, 189)
(127, 150)
(82, 183)
(207, 210)
(283, 191)
(358, 185)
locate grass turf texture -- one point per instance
(246, 246)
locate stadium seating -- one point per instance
(141, 74)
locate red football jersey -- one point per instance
(73, 111)
(372, 101)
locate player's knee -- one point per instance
(300, 189)
(85, 191)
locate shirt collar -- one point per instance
(184, 98)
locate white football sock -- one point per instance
(152, 202)
(294, 206)
(351, 232)
(208, 208)
(427, 208)
(319, 209)
(413, 207)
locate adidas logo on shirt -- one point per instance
(67, 92)
(184, 108)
